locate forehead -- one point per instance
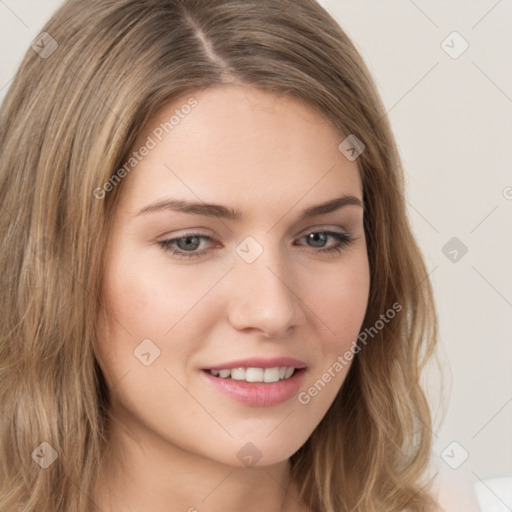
(241, 145)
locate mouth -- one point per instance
(257, 386)
(254, 374)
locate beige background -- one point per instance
(452, 118)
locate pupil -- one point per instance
(313, 237)
(187, 239)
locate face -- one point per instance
(211, 308)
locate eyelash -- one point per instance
(343, 241)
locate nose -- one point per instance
(263, 295)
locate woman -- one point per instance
(213, 297)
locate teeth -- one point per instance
(271, 375)
(238, 374)
(288, 373)
(255, 374)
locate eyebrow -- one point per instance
(224, 212)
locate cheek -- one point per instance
(147, 299)
(340, 298)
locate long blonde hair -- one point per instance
(67, 123)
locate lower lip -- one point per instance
(259, 394)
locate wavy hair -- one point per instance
(74, 109)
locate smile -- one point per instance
(258, 392)
(255, 374)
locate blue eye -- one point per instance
(191, 242)
(187, 245)
(343, 239)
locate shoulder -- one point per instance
(454, 493)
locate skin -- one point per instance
(174, 437)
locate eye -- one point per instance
(188, 244)
(319, 238)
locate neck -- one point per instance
(142, 471)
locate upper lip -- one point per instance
(259, 362)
